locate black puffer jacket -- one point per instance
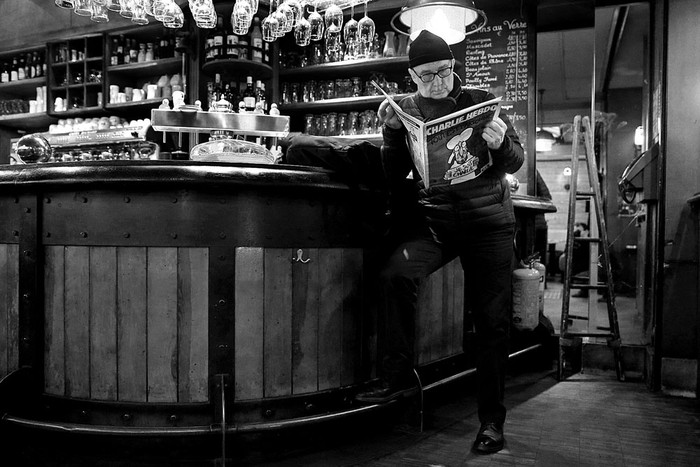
(483, 201)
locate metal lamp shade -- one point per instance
(451, 20)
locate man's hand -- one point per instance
(387, 115)
(494, 132)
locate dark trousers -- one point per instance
(487, 260)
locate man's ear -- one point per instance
(414, 77)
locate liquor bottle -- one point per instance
(227, 94)
(256, 41)
(120, 50)
(37, 62)
(127, 51)
(218, 50)
(249, 94)
(260, 95)
(243, 49)
(267, 53)
(21, 71)
(232, 45)
(134, 51)
(29, 68)
(5, 75)
(235, 93)
(113, 60)
(14, 71)
(217, 87)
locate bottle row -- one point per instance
(244, 96)
(23, 66)
(312, 91)
(143, 89)
(222, 43)
(125, 50)
(342, 124)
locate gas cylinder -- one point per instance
(526, 282)
(542, 270)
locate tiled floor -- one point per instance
(586, 420)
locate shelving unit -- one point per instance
(237, 68)
(25, 90)
(76, 75)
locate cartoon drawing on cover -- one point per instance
(461, 159)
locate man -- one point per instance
(472, 219)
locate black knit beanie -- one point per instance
(428, 47)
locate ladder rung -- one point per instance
(577, 317)
(569, 335)
(586, 194)
(588, 286)
(586, 239)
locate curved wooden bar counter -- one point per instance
(179, 298)
(132, 293)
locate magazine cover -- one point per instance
(450, 149)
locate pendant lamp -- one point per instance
(449, 19)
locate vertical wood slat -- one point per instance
(330, 318)
(278, 323)
(435, 313)
(193, 324)
(162, 325)
(447, 310)
(13, 308)
(5, 288)
(132, 321)
(77, 321)
(249, 324)
(458, 308)
(103, 323)
(352, 300)
(422, 340)
(305, 302)
(54, 322)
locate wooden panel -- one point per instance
(5, 287)
(352, 310)
(249, 293)
(77, 313)
(278, 322)
(162, 324)
(132, 324)
(305, 302)
(193, 324)
(103, 323)
(330, 318)
(458, 307)
(434, 331)
(444, 346)
(54, 354)
(13, 308)
(422, 342)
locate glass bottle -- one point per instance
(249, 95)
(256, 41)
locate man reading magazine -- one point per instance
(462, 210)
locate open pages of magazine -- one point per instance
(450, 149)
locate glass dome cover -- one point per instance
(223, 148)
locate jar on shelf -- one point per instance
(352, 124)
(341, 124)
(389, 46)
(356, 87)
(286, 93)
(332, 129)
(323, 127)
(309, 124)
(330, 89)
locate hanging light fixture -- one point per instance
(451, 20)
(545, 140)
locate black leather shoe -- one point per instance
(383, 392)
(489, 439)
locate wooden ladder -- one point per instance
(598, 251)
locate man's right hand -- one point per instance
(387, 115)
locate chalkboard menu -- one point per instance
(501, 59)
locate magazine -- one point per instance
(450, 149)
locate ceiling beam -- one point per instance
(619, 22)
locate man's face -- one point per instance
(439, 87)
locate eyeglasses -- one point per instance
(430, 76)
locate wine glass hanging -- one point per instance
(309, 20)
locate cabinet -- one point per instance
(15, 96)
(336, 98)
(136, 59)
(75, 77)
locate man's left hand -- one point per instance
(494, 132)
